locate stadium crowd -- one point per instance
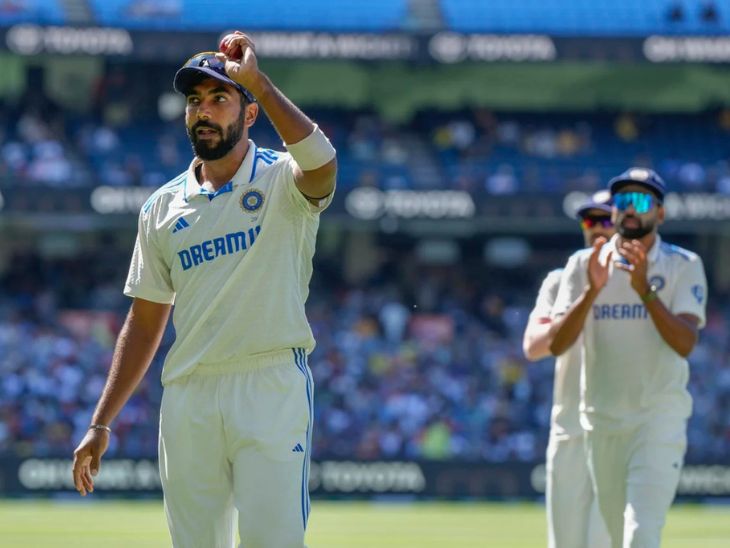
(427, 370)
(474, 150)
(425, 366)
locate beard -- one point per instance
(637, 232)
(205, 149)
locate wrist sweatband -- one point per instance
(313, 151)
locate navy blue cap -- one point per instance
(639, 176)
(205, 65)
(600, 200)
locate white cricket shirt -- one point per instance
(630, 372)
(236, 263)
(565, 414)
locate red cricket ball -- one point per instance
(234, 52)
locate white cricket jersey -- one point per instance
(630, 372)
(236, 263)
(565, 414)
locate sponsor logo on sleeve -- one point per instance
(699, 293)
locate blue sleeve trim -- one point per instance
(177, 181)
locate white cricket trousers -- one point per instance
(574, 520)
(635, 476)
(236, 444)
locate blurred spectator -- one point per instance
(154, 8)
(49, 165)
(709, 13)
(541, 143)
(466, 150)
(443, 380)
(12, 7)
(503, 181)
(723, 179)
(626, 128)
(692, 176)
(675, 13)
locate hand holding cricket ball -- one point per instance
(238, 52)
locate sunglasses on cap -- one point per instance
(642, 202)
(591, 221)
(206, 63)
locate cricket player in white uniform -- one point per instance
(573, 518)
(230, 243)
(638, 303)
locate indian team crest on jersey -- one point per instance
(252, 200)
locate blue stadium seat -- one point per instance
(139, 13)
(581, 17)
(558, 17)
(47, 12)
(353, 15)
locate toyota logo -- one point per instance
(25, 39)
(365, 203)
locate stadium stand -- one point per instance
(557, 17)
(31, 11)
(403, 369)
(502, 152)
(419, 370)
(377, 15)
(581, 17)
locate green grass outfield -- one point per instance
(43, 524)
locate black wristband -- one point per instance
(316, 199)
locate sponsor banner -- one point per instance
(29, 39)
(343, 478)
(114, 200)
(366, 204)
(48, 475)
(371, 203)
(687, 49)
(444, 47)
(328, 45)
(451, 47)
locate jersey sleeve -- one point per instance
(690, 295)
(149, 275)
(295, 196)
(572, 282)
(546, 296)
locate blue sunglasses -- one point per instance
(642, 202)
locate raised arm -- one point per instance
(312, 151)
(679, 329)
(136, 346)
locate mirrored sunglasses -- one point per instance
(642, 202)
(596, 220)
